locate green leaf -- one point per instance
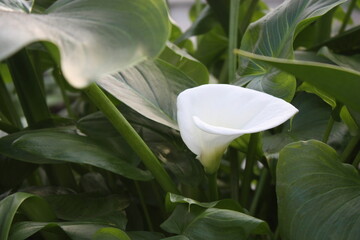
(150, 88)
(16, 5)
(75, 230)
(345, 43)
(142, 235)
(13, 173)
(34, 207)
(203, 24)
(47, 146)
(338, 82)
(273, 36)
(309, 123)
(173, 199)
(211, 46)
(318, 196)
(90, 208)
(183, 61)
(110, 234)
(93, 37)
(213, 224)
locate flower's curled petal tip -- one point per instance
(217, 129)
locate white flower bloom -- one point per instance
(211, 116)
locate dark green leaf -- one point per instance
(75, 230)
(142, 235)
(203, 24)
(34, 207)
(47, 146)
(213, 223)
(90, 208)
(309, 123)
(318, 196)
(345, 43)
(110, 234)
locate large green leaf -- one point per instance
(54, 146)
(212, 224)
(90, 208)
(318, 196)
(93, 37)
(74, 230)
(150, 88)
(30, 205)
(340, 83)
(273, 35)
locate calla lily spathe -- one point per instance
(211, 116)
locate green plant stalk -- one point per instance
(248, 173)
(328, 129)
(28, 88)
(323, 27)
(353, 143)
(99, 98)
(7, 106)
(356, 161)
(213, 188)
(233, 38)
(259, 190)
(61, 82)
(247, 17)
(234, 173)
(347, 16)
(143, 206)
(7, 127)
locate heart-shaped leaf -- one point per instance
(93, 37)
(318, 196)
(212, 224)
(273, 35)
(340, 83)
(150, 88)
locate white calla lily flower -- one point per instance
(211, 116)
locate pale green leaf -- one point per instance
(273, 36)
(93, 37)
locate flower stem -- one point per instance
(328, 129)
(233, 38)
(131, 136)
(234, 171)
(347, 16)
(248, 173)
(29, 89)
(259, 190)
(143, 206)
(353, 143)
(356, 161)
(213, 189)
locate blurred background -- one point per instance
(179, 10)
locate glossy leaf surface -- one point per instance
(93, 38)
(273, 36)
(318, 196)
